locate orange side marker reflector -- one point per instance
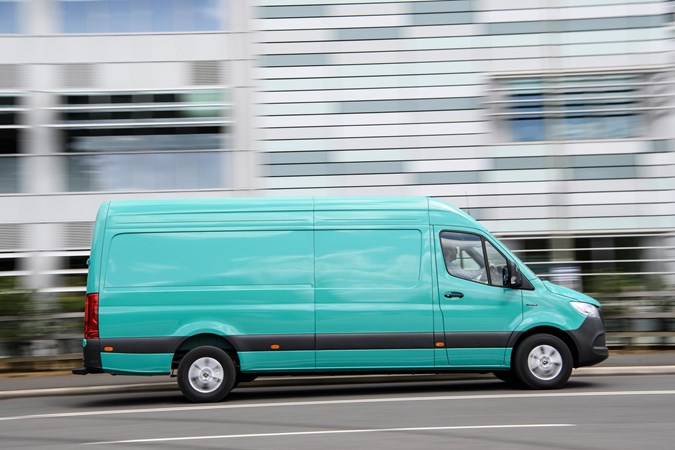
(275, 346)
(107, 349)
(440, 344)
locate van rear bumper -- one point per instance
(91, 352)
(590, 342)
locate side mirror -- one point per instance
(511, 276)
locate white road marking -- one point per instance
(582, 371)
(335, 402)
(309, 433)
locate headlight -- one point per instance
(586, 309)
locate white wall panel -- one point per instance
(330, 22)
(279, 48)
(620, 10)
(520, 15)
(609, 198)
(587, 37)
(338, 181)
(443, 31)
(604, 147)
(488, 5)
(374, 118)
(371, 94)
(301, 35)
(409, 129)
(449, 165)
(405, 56)
(294, 72)
(368, 9)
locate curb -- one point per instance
(321, 380)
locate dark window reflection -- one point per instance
(9, 175)
(102, 140)
(575, 107)
(145, 140)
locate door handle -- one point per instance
(453, 295)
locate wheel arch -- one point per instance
(553, 331)
(204, 340)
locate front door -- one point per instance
(479, 314)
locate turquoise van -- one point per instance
(218, 291)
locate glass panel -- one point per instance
(144, 139)
(8, 100)
(575, 107)
(9, 175)
(207, 15)
(121, 16)
(150, 171)
(97, 16)
(73, 16)
(9, 140)
(463, 255)
(496, 263)
(9, 17)
(116, 166)
(162, 15)
(119, 19)
(141, 16)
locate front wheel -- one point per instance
(543, 361)
(206, 374)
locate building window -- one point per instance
(141, 16)
(150, 140)
(571, 107)
(10, 139)
(9, 16)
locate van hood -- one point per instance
(570, 294)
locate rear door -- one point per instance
(479, 314)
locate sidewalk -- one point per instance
(64, 383)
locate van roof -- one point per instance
(439, 211)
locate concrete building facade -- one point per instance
(549, 121)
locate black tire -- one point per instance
(543, 361)
(206, 374)
(507, 376)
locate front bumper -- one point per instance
(590, 342)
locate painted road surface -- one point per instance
(619, 412)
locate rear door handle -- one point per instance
(453, 295)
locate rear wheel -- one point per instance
(206, 374)
(543, 361)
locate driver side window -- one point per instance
(470, 257)
(464, 256)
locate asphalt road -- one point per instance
(617, 412)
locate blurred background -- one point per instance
(550, 121)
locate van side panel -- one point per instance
(373, 288)
(251, 283)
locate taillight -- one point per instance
(91, 317)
